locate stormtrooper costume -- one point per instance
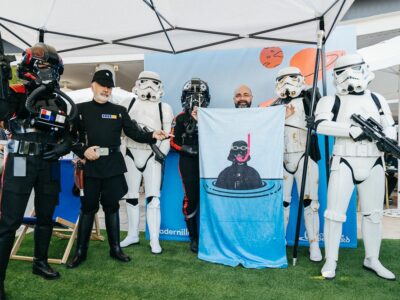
(140, 160)
(356, 161)
(290, 88)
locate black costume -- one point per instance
(101, 125)
(36, 116)
(187, 144)
(195, 94)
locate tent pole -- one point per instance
(151, 5)
(162, 26)
(324, 93)
(320, 35)
(398, 138)
(41, 35)
(14, 34)
(336, 17)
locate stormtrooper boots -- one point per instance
(311, 222)
(153, 216)
(133, 222)
(372, 231)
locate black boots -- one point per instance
(194, 245)
(2, 292)
(112, 226)
(84, 231)
(42, 236)
(191, 225)
(6, 244)
(42, 268)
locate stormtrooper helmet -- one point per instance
(148, 86)
(289, 82)
(351, 74)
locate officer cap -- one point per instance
(104, 78)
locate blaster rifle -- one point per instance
(5, 71)
(374, 131)
(159, 156)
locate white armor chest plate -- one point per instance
(145, 113)
(295, 133)
(366, 107)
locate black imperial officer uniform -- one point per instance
(36, 115)
(98, 129)
(195, 94)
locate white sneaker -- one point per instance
(373, 264)
(315, 252)
(129, 240)
(155, 247)
(328, 271)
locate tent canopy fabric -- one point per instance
(89, 28)
(382, 55)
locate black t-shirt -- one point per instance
(101, 125)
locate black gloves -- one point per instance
(310, 122)
(190, 150)
(58, 150)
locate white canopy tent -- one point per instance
(90, 28)
(382, 55)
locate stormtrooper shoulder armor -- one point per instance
(386, 118)
(324, 109)
(167, 112)
(325, 118)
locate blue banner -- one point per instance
(241, 170)
(224, 71)
(173, 226)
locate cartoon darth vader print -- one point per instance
(239, 176)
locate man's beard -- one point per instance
(101, 98)
(242, 104)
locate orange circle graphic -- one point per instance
(271, 57)
(305, 61)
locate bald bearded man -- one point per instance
(242, 96)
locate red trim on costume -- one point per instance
(173, 144)
(28, 56)
(172, 141)
(185, 198)
(30, 76)
(18, 88)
